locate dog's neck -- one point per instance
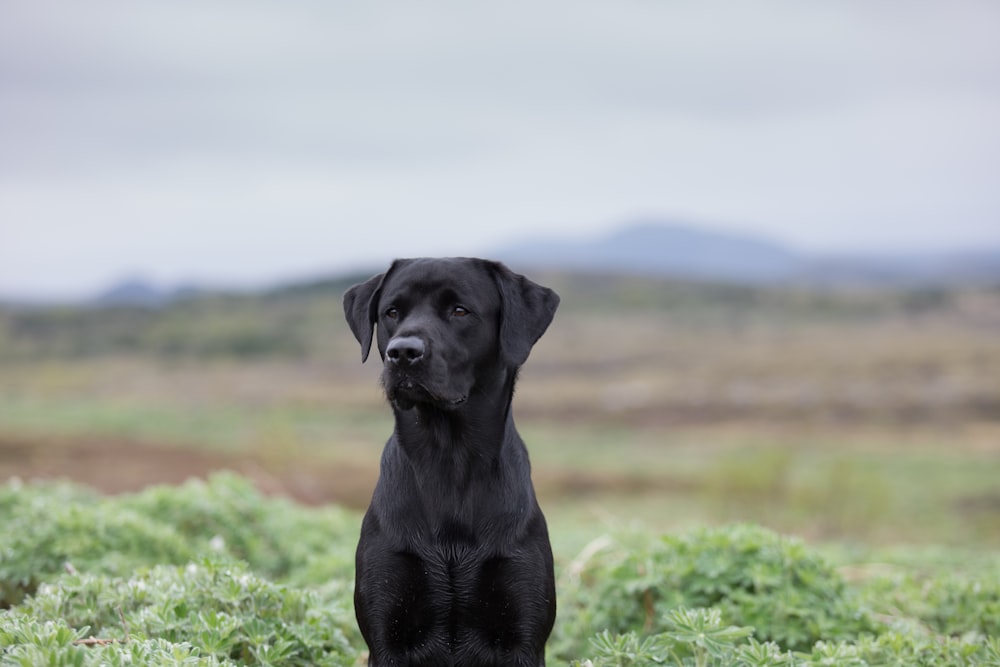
(460, 444)
(482, 421)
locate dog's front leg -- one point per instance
(395, 607)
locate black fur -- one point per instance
(454, 566)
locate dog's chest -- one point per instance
(456, 546)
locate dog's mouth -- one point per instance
(406, 393)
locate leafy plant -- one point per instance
(27, 642)
(277, 537)
(47, 529)
(952, 603)
(213, 607)
(693, 637)
(698, 638)
(753, 576)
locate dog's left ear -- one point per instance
(360, 308)
(527, 309)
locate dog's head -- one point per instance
(443, 324)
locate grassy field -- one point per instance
(869, 417)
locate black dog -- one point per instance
(454, 566)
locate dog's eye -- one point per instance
(392, 312)
(459, 311)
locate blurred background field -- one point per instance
(774, 229)
(851, 415)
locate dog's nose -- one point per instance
(405, 350)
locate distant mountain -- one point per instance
(683, 251)
(659, 249)
(136, 291)
(131, 292)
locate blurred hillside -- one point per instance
(640, 346)
(869, 413)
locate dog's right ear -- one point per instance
(361, 310)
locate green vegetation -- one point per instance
(216, 574)
(49, 527)
(698, 638)
(754, 577)
(214, 607)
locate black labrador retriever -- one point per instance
(454, 565)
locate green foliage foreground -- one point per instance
(213, 573)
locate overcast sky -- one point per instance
(242, 142)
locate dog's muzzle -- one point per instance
(407, 377)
